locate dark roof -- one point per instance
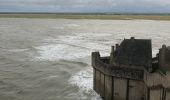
(134, 52)
(167, 56)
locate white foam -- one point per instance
(85, 43)
(93, 34)
(84, 80)
(71, 47)
(60, 51)
(17, 50)
(72, 25)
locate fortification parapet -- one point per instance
(130, 72)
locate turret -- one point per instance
(112, 55)
(95, 56)
(164, 58)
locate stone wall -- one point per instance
(123, 83)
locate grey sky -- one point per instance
(142, 6)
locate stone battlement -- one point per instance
(130, 72)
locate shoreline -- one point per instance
(86, 16)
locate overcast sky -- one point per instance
(134, 6)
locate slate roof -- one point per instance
(136, 52)
(167, 56)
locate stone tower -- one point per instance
(130, 72)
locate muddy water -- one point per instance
(49, 59)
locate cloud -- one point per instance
(86, 5)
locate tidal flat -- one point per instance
(103, 16)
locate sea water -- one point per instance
(49, 59)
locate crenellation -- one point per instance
(130, 72)
(117, 46)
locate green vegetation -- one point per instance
(87, 16)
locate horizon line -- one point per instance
(104, 13)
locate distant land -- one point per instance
(105, 16)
